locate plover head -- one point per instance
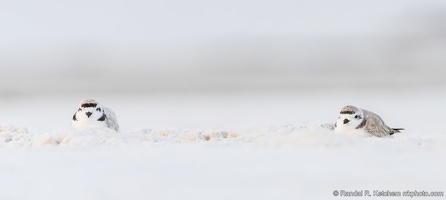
(89, 110)
(350, 118)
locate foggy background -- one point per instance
(145, 47)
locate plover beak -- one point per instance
(345, 120)
(88, 114)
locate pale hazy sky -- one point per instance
(174, 45)
(48, 33)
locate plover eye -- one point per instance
(357, 117)
(98, 109)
